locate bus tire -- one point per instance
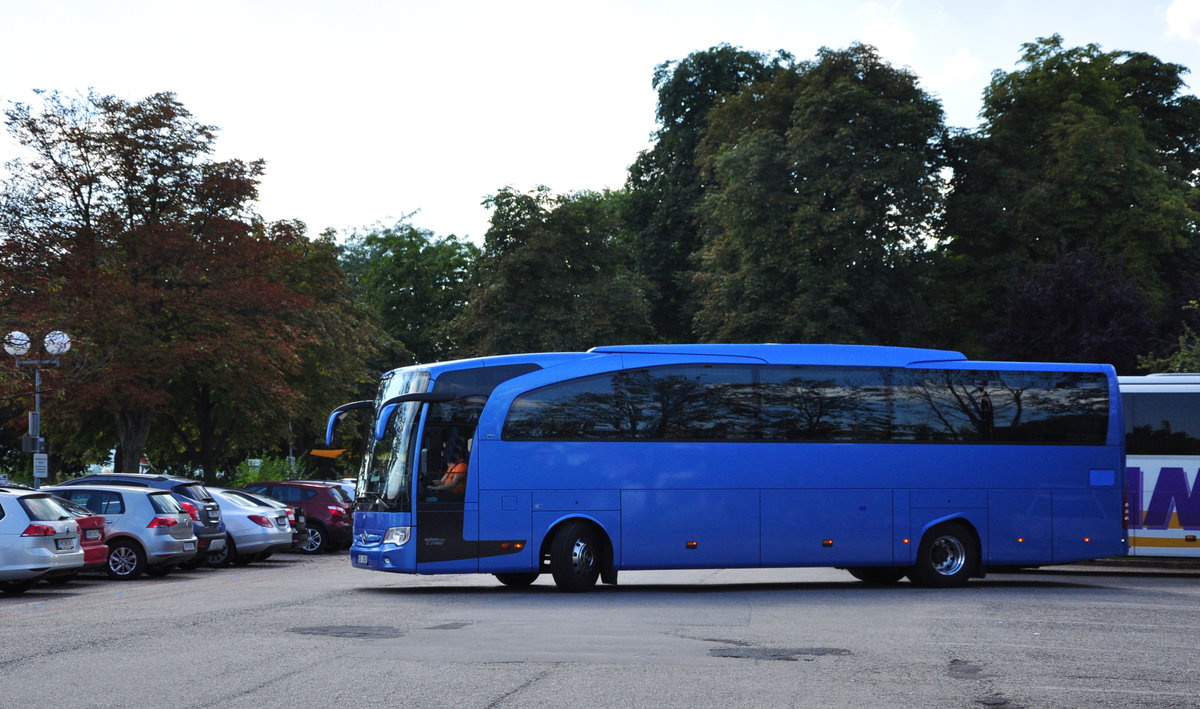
(575, 557)
(948, 556)
(518, 580)
(877, 575)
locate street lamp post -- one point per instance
(17, 344)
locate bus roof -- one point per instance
(850, 355)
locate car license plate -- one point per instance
(216, 545)
(64, 544)
(362, 559)
(189, 546)
(91, 534)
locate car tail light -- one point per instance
(261, 521)
(336, 511)
(191, 510)
(291, 515)
(39, 530)
(162, 522)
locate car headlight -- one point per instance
(397, 535)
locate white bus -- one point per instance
(1162, 447)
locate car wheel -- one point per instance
(160, 570)
(517, 580)
(222, 555)
(317, 542)
(125, 560)
(575, 557)
(12, 588)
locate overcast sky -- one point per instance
(369, 111)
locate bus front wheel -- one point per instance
(948, 556)
(575, 557)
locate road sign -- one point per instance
(41, 465)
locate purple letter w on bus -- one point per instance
(1171, 492)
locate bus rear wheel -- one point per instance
(877, 575)
(575, 557)
(518, 580)
(948, 556)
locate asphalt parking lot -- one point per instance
(310, 631)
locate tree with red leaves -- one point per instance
(121, 231)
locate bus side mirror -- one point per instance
(340, 413)
(389, 407)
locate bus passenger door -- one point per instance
(447, 528)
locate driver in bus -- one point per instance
(455, 479)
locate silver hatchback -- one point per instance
(37, 536)
(146, 530)
(253, 530)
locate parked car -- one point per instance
(328, 509)
(146, 529)
(295, 515)
(37, 537)
(190, 493)
(348, 486)
(91, 540)
(251, 529)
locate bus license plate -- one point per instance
(64, 544)
(362, 559)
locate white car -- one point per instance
(37, 537)
(252, 530)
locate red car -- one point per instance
(328, 509)
(91, 538)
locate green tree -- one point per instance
(554, 276)
(664, 185)
(821, 207)
(1080, 151)
(417, 282)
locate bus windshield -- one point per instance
(386, 477)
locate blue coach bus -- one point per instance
(887, 462)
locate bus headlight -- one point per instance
(397, 535)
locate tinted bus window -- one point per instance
(1001, 407)
(799, 403)
(824, 404)
(687, 402)
(1162, 424)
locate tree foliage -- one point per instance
(821, 205)
(417, 283)
(664, 185)
(1080, 151)
(120, 231)
(554, 276)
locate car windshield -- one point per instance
(339, 494)
(196, 491)
(43, 508)
(163, 503)
(241, 501)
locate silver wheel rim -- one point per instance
(122, 561)
(582, 557)
(314, 540)
(948, 555)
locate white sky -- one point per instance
(367, 111)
